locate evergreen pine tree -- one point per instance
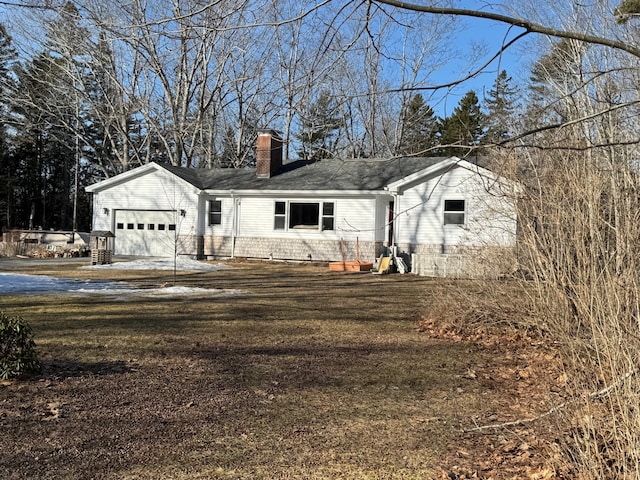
(555, 74)
(7, 175)
(107, 124)
(68, 52)
(501, 102)
(464, 128)
(50, 112)
(627, 10)
(419, 128)
(319, 129)
(43, 148)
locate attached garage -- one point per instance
(150, 233)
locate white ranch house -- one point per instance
(428, 209)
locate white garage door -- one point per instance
(149, 233)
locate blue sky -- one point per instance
(487, 36)
(475, 34)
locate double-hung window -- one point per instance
(327, 216)
(215, 212)
(454, 212)
(280, 216)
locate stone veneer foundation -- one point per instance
(290, 249)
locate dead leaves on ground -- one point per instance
(522, 377)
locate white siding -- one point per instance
(353, 218)
(225, 228)
(489, 219)
(154, 191)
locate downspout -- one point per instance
(396, 209)
(394, 217)
(234, 225)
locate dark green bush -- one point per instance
(18, 354)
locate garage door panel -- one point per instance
(145, 233)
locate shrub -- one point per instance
(18, 355)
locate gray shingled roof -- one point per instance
(330, 174)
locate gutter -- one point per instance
(305, 193)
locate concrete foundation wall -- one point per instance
(469, 262)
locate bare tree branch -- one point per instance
(529, 26)
(600, 393)
(47, 5)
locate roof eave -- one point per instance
(137, 172)
(446, 164)
(295, 192)
(122, 177)
(396, 187)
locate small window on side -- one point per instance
(161, 226)
(120, 226)
(454, 212)
(172, 226)
(280, 214)
(151, 226)
(327, 216)
(129, 226)
(141, 226)
(215, 212)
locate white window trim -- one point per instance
(464, 212)
(287, 212)
(209, 212)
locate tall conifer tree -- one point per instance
(419, 127)
(320, 125)
(501, 103)
(463, 130)
(8, 179)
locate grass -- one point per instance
(308, 374)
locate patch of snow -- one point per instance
(21, 284)
(182, 264)
(176, 291)
(13, 283)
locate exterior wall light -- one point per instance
(183, 213)
(105, 211)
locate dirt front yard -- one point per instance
(301, 373)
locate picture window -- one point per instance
(304, 216)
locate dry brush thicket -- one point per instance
(578, 245)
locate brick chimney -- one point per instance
(268, 153)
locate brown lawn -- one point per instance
(306, 374)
